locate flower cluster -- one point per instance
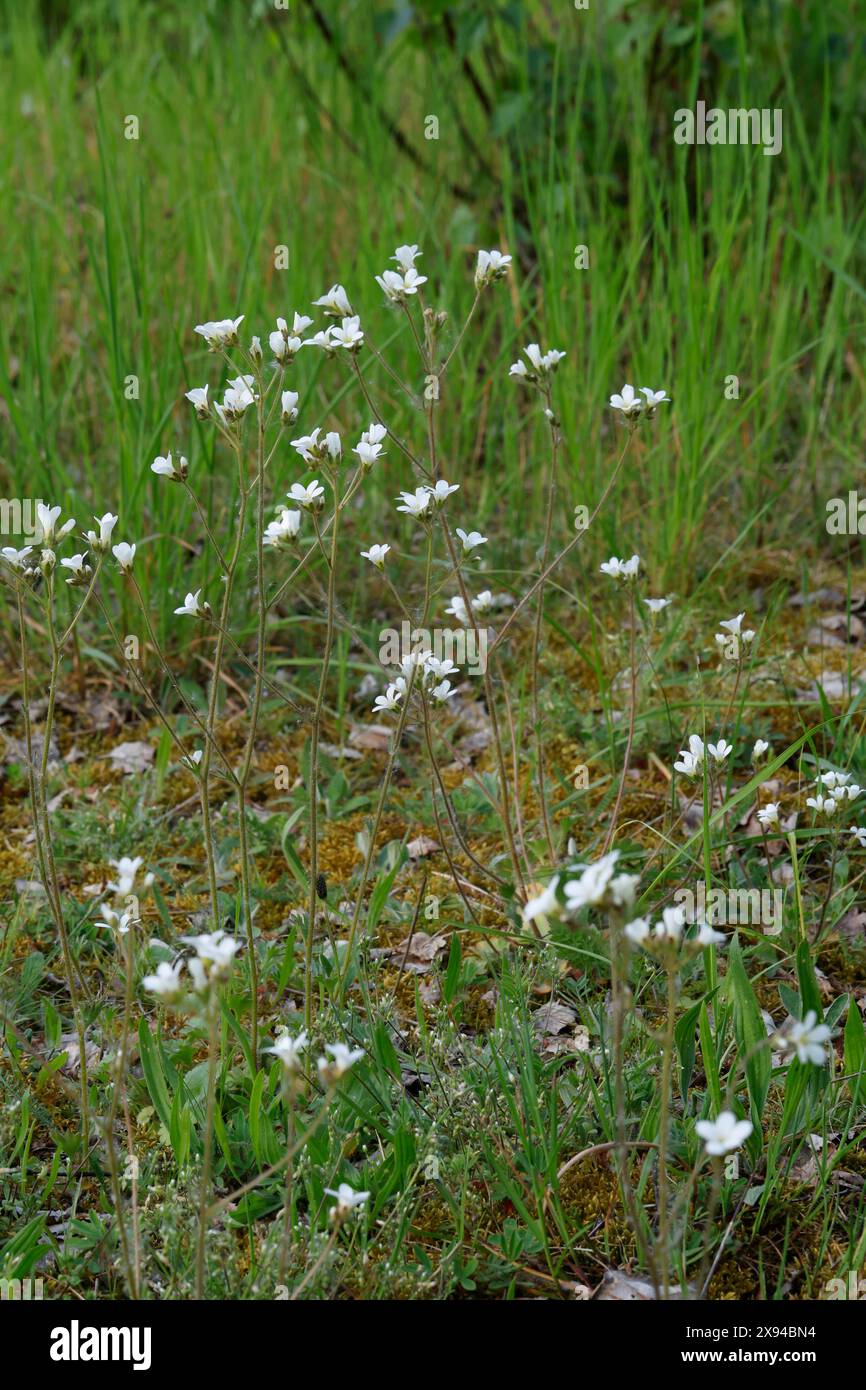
(430, 670)
(735, 637)
(632, 408)
(667, 940)
(209, 966)
(803, 1039)
(541, 365)
(397, 285)
(584, 885)
(840, 789)
(693, 760)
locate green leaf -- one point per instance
(379, 895)
(810, 994)
(385, 1052)
(684, 1037)
(710, 1061)
(855, 1049)
(749, 1031)
(452, 972)
(153, 1075)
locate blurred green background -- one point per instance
(307, 127)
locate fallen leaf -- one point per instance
(420, 848)
(131, 757)
(374, 738)
(551, 1018)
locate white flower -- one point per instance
(310, 498)
(670, 929)
(289, 1049)
(193, 759)
(707, 937)
(627, 401)
(367, 451)
(119, 922)
(490, 266)
(278, 342)
(100, 543)
(417, 503)
(238, 397)
(335, 303)
(347, 1198)
(719, 751)
(215, 951)
(78, 569)
(219, 333)
(543, 364)
(657, 605)
(833, 779)
(374, 434)
(860, 832)
(308, 446)
(471, 539)
(412, 281)
(805, 1038)
(545, 904)
(435, 668)
(16, 558)
(343, 1059)
(406, 256)
(349, 335)
(47, 560)
(390, 701)
(760, 748)
(376, 555)
(441, 491)
(166, 983)
(599, 885)
(733, 625)
(300, 324)
(621, 569)
(256, 348)
(637, 931)
(723, 1134)
(281, 533)
(768, 815)
(442, 692)
(127, 872)
(288, 407)
(192, 607)
(692, 758)
(164, 467)
(198, 398)
(457, 609)
(333, 446)
(822, 805)
(321, 340)
(653, 398)
(124, 554)
(392, 285)
(47, 518)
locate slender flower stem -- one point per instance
(536, 641)
(314, 757)
(632, 709)
(246, 764)
(42, 825)
(664, 1124)
(210, 1108)
(566, 550)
